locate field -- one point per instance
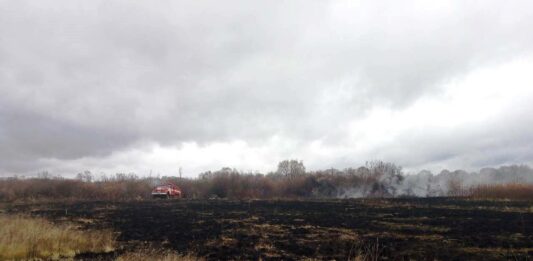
(371, 229)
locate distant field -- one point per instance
(429, 228)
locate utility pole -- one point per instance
(180, 172)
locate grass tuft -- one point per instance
(157, 255)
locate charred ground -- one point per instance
(426, 229)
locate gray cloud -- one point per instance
(86, 79)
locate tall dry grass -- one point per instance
(25, 238)
(503, 191)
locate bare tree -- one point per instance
(291, 168)
(387, 176)
(86, 176)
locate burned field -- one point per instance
(397, 229)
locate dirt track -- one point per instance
(421, 229)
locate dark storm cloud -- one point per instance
(85, 79)
(26, 136)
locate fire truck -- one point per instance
(167, 190)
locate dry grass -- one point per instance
(419, 227)
(24, 238)
(156, 255)
(503, 191)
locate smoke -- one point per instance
(427, 184)
(378, 181)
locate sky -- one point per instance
(151, 86)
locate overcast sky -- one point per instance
(133, 86)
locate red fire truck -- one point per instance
(167, 190)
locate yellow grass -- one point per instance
(23, 238)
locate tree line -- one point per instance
(290, 180)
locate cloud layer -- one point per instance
(122, 86)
